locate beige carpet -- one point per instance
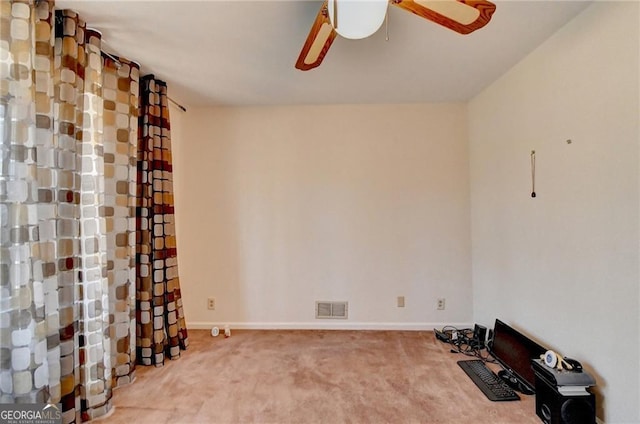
(313, 377)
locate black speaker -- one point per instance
(554, 407)
(479, 335)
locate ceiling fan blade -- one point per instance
(318, 41)
(463, 16)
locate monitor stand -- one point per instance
(513, 382)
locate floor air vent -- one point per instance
(331, 310)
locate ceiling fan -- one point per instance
(361, 18)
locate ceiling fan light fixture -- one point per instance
(452, 9)
(357, 19)
(361, 18)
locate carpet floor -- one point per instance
(312, 377)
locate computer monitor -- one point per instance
(514, 351)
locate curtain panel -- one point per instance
(162, 330)
(68, 181)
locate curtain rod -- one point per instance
(182, 108)
(117, 60)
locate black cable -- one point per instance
(462, 341)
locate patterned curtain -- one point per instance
(69, 124)
(161, 326)
(31, 349)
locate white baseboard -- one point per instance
(328, 325)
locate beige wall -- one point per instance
(564, 266)
(278, 207)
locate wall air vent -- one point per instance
(331, 310)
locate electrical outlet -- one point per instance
(400, 301)
(211, 303)
(441, 304)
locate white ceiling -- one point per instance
(243, 52)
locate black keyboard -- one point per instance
(491, 385)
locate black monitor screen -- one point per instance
(514, 351)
